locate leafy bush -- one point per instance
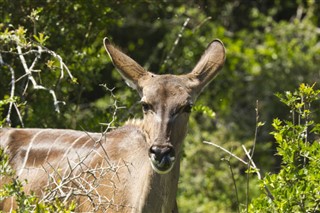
(296, 188)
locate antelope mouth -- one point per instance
(162, 158)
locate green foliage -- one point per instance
(271, 46)
(297, 185)
(205, 110)
(5, 169)
(13, 188)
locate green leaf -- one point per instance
(41, 38)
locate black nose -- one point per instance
(161, 151)
(162, 158)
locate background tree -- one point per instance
(272, 46)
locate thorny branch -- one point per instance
(82, 181)
(115, 106)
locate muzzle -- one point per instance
(162, 158)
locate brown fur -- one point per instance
(112, 172)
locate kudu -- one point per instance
(138, 163)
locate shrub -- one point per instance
(296, 188)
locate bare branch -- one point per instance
(250, 164)
(81, 180)
(223, 149)
(202, 23)
(19, 114)
(12, 102)
(176, 42)
(29, 70)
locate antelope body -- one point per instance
(134, 168)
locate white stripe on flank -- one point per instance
(68, 150)
(28, 151)
(52, 146)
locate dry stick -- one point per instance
(28, 71)
(251, 161)
(223, 149)
(176, 42)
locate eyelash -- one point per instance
(145, 106)
(185, 109)
(188, 108)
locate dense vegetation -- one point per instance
(272, 46)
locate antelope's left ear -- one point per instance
(208, 66)
(129, 69)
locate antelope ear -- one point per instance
(208, 66)
(130, 70)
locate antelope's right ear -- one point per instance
(208, 66)
(130, 70)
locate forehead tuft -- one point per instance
(165, 86)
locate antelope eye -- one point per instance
(145, 106)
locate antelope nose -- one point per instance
(162, 158)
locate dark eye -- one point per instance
(145, 106)
(187, 108)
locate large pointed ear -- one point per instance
(208, 66)
(130, 70)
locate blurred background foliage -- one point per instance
(272, 46)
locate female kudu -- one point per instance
(134, 168)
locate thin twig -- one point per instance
(256, 129)
(19, 115)
(252, 153)
(251, 163)
(176, 42)
(202, 23)
(116, 108)
(234, 184)
(223, 149)
(257, 171)
(12, 91)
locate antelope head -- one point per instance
(167, 100)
